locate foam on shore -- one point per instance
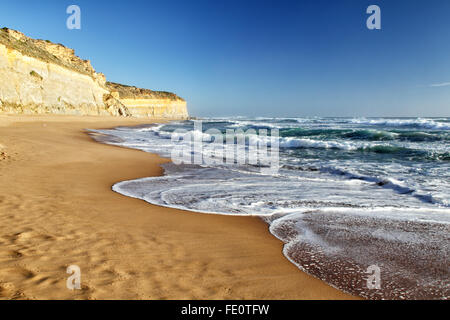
(338, 210)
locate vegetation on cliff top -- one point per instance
(131, 92)
(28, 47)
(65, 57)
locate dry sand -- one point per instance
(57, 209)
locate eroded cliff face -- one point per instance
(148, 103)
(29, 85)
(38, 77)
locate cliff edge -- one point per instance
(39, 77)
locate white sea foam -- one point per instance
(309, 143)
(340, 206)
(417, 123)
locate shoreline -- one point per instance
(57, 209)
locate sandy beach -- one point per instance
(57, 209)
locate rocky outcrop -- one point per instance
(38, 77)
(115, 107)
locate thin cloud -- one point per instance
(443, 84)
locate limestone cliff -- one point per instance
(38, 76)
(148, 103)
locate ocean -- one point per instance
(361, 203)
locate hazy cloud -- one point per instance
(443, 84)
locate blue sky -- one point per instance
(262, 58)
